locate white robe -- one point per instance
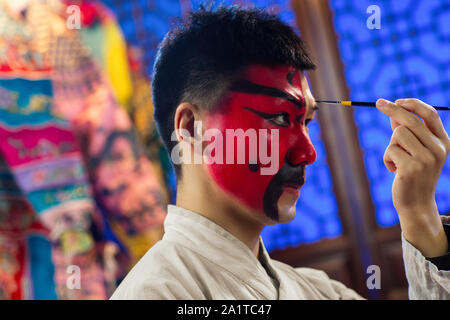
(197, 259)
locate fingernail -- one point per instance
(400, 101)
(381, 102)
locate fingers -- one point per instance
(405, 166)
(394, 157)
(394, 124)
(403, 117)
(427, 113)
(403, 137)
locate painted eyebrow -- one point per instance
(246, 86)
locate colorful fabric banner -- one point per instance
(77, 196)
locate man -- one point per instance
(235, 74)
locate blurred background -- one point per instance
(85, 181)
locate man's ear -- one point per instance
(185, 116)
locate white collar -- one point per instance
(216, 244)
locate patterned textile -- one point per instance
(124, 64)
(140, 109)
(144, 24)
(101, 34)
(75, 188)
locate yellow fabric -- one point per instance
(117, 62)
(139, 244)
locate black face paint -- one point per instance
(290, 77)
(289, 175)
(246, 86)
(254, 167)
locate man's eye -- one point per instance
(281, 120)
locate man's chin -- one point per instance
(287, 204)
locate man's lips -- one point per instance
(294, 190)
(294, 185)
(287, 181)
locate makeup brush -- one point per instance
(365, 104)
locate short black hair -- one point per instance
(199, 58)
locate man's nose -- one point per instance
(303, 152)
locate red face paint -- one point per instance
(265, 98)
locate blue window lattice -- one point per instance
(280, 7)
(317, 211)
(145, 22)
(408, 57)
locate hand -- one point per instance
(417, 153)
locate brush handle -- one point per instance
(373, 104)
(367, 104)
(362, 104)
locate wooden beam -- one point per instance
(339, 133)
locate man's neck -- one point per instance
(204, 202)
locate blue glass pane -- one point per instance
(280, 7)
(144, 23)
(408, 57)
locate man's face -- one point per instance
(272, 99)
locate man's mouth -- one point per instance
(293, 185)
(293, 188)
(297, 182)
(288, 179)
